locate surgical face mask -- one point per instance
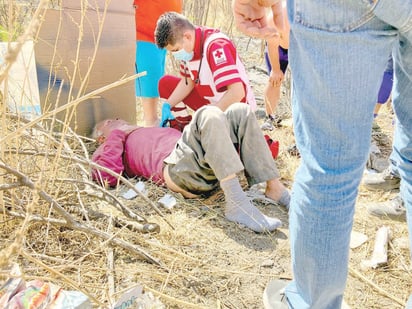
(183, 55)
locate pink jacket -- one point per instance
(141, 154)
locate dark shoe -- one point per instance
(394, 209)
(293, 150)
(274, 295)
(271, 122)
(382, 181)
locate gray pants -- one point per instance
(217, 144)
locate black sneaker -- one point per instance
(271, 122)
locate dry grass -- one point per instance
(198, 259)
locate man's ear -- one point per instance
(189, 36)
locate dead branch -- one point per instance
(9, 186)
(357, 274)
(71, 104)
(72, 223)
(110, 267)
(88, 230)
(123, 208)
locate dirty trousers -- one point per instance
(217, 144)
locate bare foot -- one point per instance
(276, 191)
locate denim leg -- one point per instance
(409, 303)
(402, 104)
(334, 94)
(401, 17)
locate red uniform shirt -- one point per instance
(219, 64)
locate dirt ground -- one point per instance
(200, 259)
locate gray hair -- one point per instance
(96, 133)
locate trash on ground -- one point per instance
(17, 293)
(131, 194)
(380, 250)
(167, 201)
(137, 298)
(357, 239)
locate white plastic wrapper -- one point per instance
(167, 201)
(131, 194)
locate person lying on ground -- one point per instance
(211, 151)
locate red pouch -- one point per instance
(180, 122)
(273, 146)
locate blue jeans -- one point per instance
(338, 52)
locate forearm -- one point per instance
(278, 16)
(182, 90)
(255, 30)
(235, 93)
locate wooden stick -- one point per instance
(72, 223)
(110, 267)
(71, 104)
(357, 274)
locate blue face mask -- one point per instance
(183, 55)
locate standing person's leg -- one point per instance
(332, 122)
(402, 144)
(146, 86)
(402, 100)
(272, 92)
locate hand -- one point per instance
(166, 114)
(264, 33)
(275, 78)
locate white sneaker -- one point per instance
(394, 209)
(274, 295)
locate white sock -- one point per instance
(240, 209)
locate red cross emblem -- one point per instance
(219, 56)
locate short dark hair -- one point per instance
(170, 27)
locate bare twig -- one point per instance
(71, 222)
(126, 211)
(110, 266)
(70, 104)
(357, 274)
